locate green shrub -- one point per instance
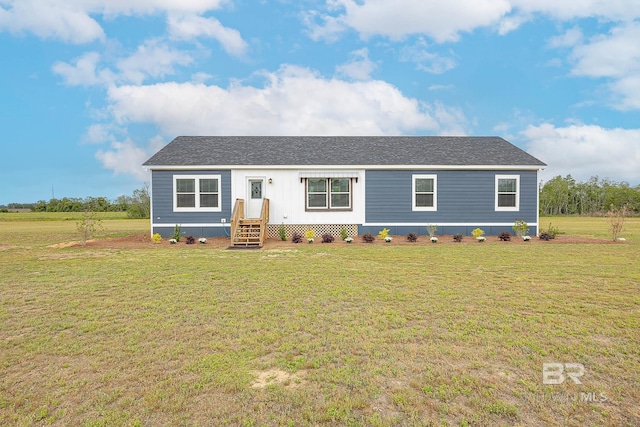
(382, 234)
(282, 232)
(176, 232)
(552, 231)
(478, 232)
(520, 227)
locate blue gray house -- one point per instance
(218, 185)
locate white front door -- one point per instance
(255, 190)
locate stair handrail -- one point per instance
(264, 220)
(236, 216)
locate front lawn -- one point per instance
(322, 334)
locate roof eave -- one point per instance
(368, 167)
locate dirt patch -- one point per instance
(277, 376)
(69, 244)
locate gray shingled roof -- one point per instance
(341, 151)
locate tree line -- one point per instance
(136, 205)
(558, 196)
(566, 196)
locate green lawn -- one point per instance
(349, 335)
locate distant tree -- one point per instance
(89, 225)
(616, 218)
(565, 196)
(140, 203)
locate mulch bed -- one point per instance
(144, 241)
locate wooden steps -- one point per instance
(248, 232)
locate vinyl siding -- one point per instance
(466, 196)
(162, 199)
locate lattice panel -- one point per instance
(320, 229)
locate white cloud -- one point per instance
(152, 59)
(145, 7)
(442, 20)
(50, 19)
(71, 21)
(427, 61)
(323, 27)
(83, 71)
(441, 87)
(125, 158)
(446, 20)
(572, 37)
(615, 56)
(186, 27)
(611, 10)
(359, 67)
(98, 134)
(586, 150)
(201, 77)
(293, 101)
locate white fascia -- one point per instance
(340, 167)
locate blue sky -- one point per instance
(91, 88)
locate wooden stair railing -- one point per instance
(247, 232)
(264, 220)
(236, 216)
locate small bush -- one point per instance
(505, 236)
(310, 234)
(431, 229)
(520, 227)
(477, 232)
(296, 237)
(382, 234)
(553, 231)
(282, 233)
(368, 237)
(190, 240)
(176, 233)
(328, 238)
(412, 237)
(545, 236)
(458, 237)
(156, 238)
(343, 233)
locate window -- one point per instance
(196, 193)
(507, 192)
(425, 192)
(329, 193)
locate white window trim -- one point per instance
(508, 208)
(435, 193)
(328, 206)
(197, 208)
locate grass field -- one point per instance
(316, 334)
